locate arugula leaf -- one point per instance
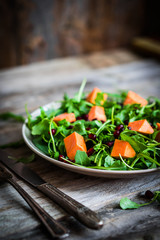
(79, 127)
(81, 158)
(10, 115)
(102, 127)
(41, 127)
(79, 96)
(28, 159)
(31, 121)
(116, 166)
(137, 146)
(40, 144)
(126, 203)
(117, 97)
(109, 161)
(149, 158)
(73, 106)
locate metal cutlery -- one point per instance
(55, 229)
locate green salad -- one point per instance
(100, 130)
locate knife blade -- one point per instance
(82, 213)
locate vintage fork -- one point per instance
(55, 228)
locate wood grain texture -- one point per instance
(39, 84)
(37, 30)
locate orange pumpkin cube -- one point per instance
(70, 117)
(141, 126)
(92, 96)
(97, 112)
(133, 97)
(123, 148)
(74, 142)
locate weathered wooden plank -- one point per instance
(116, 229)
(117, 222)
(110, 79)
(81, 188)
(27, 78)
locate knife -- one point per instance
(82, 213)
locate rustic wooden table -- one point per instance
(41, 83)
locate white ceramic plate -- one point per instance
(82, 170)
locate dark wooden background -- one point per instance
(36, 30)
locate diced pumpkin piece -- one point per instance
(158, 125)
(123, 148)
(92, 96)
(141, 126)
(74, 142)
(133, 97)
(70, 117)
(98, 113)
